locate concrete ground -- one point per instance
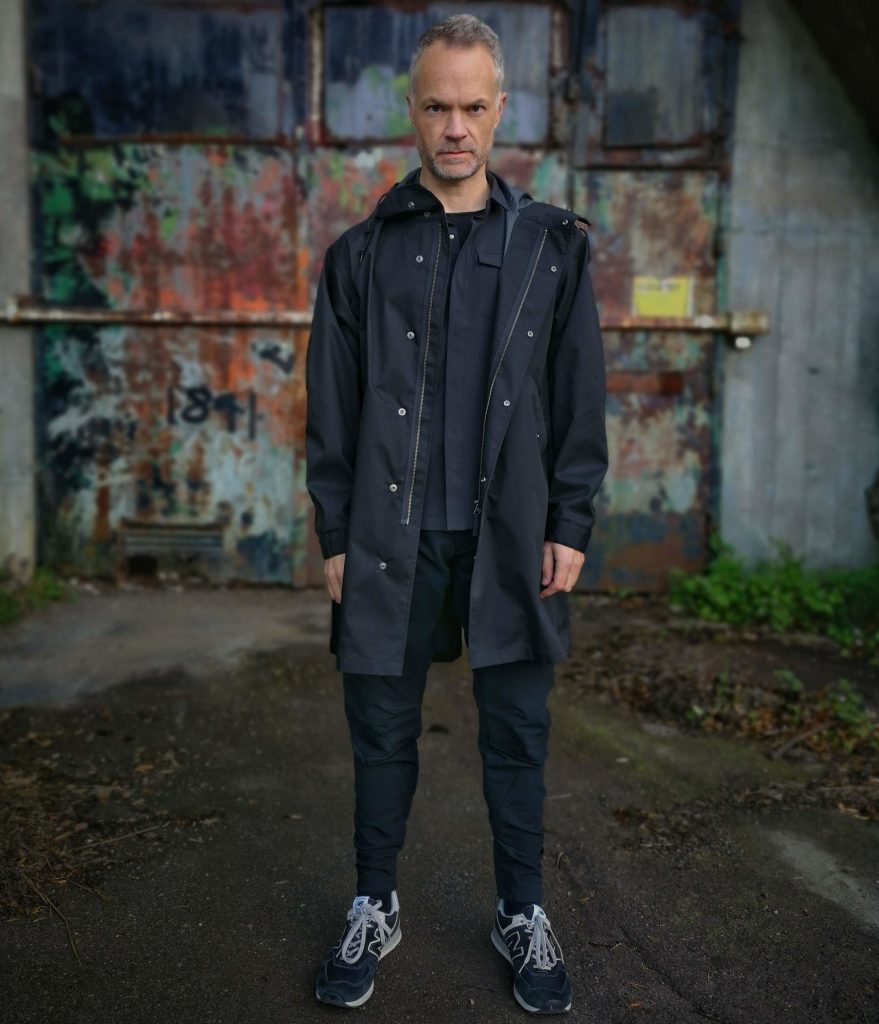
(200, 735)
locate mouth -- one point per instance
(455, 152)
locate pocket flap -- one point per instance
(491, 259)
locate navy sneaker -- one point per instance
(346, 976)
(540, 978)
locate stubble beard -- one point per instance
(458, 170)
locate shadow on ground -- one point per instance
(176, 828)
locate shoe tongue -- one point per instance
(527, 911)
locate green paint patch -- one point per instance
(63, 286)
(57, 200)
(168, 224)
(76, 195)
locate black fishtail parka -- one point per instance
(370, 374)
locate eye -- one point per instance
(478, 106)
(433, 108)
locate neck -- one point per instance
(459, 196)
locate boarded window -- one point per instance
(366, 55)
(654, 77)
(110, 69)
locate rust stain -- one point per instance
(670, 383)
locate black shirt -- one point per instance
(475, 250)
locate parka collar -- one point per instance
(410, 196)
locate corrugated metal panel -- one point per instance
(173, 426)
(656, 502)
(182, 227)
(658, 223)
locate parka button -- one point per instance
(553, 269)
(411, 204)
(401, 412)
(393, 487)
(564, 222)
(410, 334)
(506, 401)
(482, 479)
(382, 565)
(531, 334)
(419, 259)
(427, 213)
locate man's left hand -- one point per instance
(561, 567)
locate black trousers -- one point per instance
(384, 717)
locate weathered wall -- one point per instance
(199, 158)
(801, 421)
(17, 518)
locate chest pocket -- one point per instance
(483, 287)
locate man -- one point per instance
(455, 442)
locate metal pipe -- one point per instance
(24, 310)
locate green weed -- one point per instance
(782, 594)
(17, 599)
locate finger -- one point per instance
(555, 584)
(332, 585)
(564, 567)
(547, 567)
(573, 573)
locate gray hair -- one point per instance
(459, 30)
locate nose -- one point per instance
(455, 126)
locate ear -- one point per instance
(500, 106)
(409, 108)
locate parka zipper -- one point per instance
(476, 501)
(424, 373)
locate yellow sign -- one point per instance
(662, 296)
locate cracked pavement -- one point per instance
(205, 730)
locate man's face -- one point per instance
(455, 109)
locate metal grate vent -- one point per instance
(202, 540)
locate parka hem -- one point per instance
(501, 656)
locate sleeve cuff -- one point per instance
(333, 542)
(572, 535)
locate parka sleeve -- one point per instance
(577, 391)
(333, 386)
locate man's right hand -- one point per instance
(334, 568)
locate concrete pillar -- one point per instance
(801, 408)
(17, 435)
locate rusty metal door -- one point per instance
(192, 161)
(171, 264)
(651, 153)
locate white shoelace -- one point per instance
(360, 916)
(542, 946)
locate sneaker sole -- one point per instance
(392, 943)
(552, 1007)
